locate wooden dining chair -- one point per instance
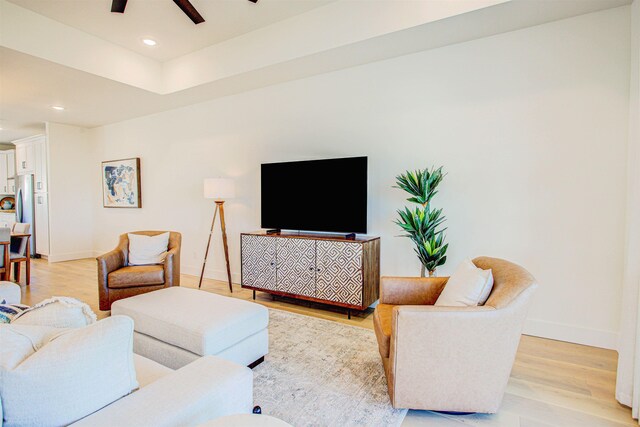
(20, 251)
(5, 242)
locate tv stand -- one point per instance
(333, 269)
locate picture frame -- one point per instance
(121, 186)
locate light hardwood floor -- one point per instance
(553, 383)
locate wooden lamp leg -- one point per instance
(206, 252)
(219, 207)
(224, 243)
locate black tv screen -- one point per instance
(316, 195)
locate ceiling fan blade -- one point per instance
(253, 1)
(118, 6)
(189, 10)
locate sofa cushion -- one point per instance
(73, 375)
(468, 286)
(146, 250)
(198, 321)
(134, 276)
(382, 318)
(206, 389)
(148, 371)
(57, 312)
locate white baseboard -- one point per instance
(624, 398)
(571, 333)
(210, 273)
(70, 256)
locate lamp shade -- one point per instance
(219, 188)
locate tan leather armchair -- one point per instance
(117, 279)
(455, 359)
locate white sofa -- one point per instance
(89, 376)
(204, 390)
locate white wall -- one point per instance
(629, 326)
(531, 127)
(72, 183)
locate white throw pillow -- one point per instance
(21, 341)
(58, 312)
(467, 286)
(145, 250)
(75, 374)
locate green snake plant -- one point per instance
(423, 225)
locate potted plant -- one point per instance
(423, 224)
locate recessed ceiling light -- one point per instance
(149, 42)
(58, 107)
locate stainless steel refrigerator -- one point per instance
(26, 207)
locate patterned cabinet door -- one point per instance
(296, 261)
(339, 272)
(259, 262)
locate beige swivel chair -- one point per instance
(454, 359)
(117, 279)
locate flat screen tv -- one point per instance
(316, 195)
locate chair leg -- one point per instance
(16, 272)
(28, 268)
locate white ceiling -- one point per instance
(164, 22)
(30, 86)
(39, 67)
(13, 130)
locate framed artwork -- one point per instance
(121, 183)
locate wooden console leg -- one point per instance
(349, 313)
(254, 295)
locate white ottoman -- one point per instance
(9, 292)
(175, 326)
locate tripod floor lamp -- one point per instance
(218, 189)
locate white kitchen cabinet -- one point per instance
(25, 154)
(42, 224)
(40, 166)
(11, 163)
(3, 173)
(11, 186)
(7, 172)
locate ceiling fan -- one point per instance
(185, 5)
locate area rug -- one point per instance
(322, 373)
